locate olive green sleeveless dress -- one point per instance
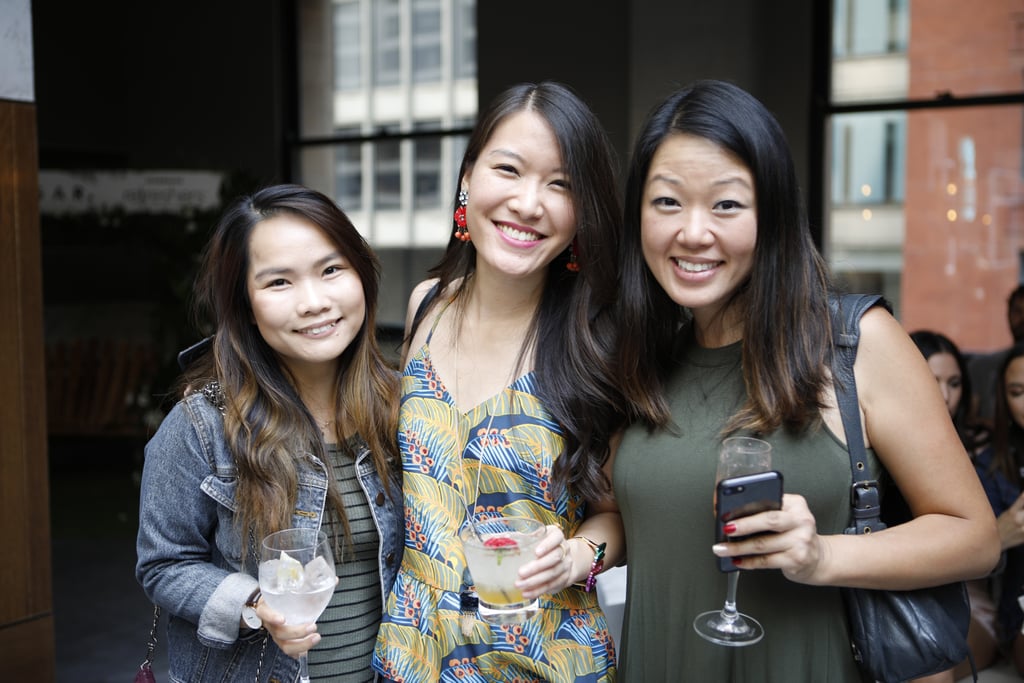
(664, 484)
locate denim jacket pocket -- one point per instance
(222, 490)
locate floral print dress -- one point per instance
(496, 458)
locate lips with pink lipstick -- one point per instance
(518, 234)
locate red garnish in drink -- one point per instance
(500, 542)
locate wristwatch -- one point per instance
(249, 616)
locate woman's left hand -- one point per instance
(552, 570)
(792, 543)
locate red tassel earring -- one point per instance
(573, 264)
(461, 232)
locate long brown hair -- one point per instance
(267, 426)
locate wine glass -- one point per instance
(297, 578)
(737, 456)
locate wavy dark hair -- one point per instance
(1007, 435)
(267, 426)
(787, 335)
(573, 324)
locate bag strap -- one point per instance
(865, 498)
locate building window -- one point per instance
(348, 172)
(387, 174)
(348, 47)
(867, 159)
(464, 39)
(869, 27)
(427, 168)
(926, 162)
(426, 41)
(387, 48)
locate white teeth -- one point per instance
(694, 267)
(519, 234)
(318, 330)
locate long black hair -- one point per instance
(784, 302)
(573, 327)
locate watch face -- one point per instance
(251, 619)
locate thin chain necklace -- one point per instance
(468, 599)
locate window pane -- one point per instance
(464, 40)
(948, 246)
(348, 173)
(427, 168)
(387, 174)
(957, 49)
(426, 40)
(347, 46)
(924, 203)
(387, 48)
(867, 158)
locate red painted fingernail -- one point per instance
(729, 528)
(737, 561)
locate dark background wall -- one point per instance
(186, 85)
(206, 85)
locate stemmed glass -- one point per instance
(297, 578)
(737, 456)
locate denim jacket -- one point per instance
(190, 554)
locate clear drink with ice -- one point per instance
(299, 593)
(297, 578)
(495, 550)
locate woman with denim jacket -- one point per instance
(288, 420)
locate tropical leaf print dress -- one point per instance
(497, 458)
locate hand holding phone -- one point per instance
(743, 496)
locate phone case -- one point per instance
(742, 496)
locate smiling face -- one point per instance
(947, 374)
(520, 211)
(698, 223)
(307, 303)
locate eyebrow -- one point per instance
(501, 151)
(728, 180)
(266, 272)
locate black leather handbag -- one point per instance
(895, 635)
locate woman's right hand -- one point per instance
(1011, 524)
(292, 639)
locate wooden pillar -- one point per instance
(26, 604)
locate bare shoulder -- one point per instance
(891, 372)
(416, 298)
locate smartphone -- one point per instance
(742, 496)
(189, 355)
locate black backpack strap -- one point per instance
(865, 498)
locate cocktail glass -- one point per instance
(297, 577)
(495, 549)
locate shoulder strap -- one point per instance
(865, 501)
(421, 310)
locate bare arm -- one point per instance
(953, 535)
(562, 562)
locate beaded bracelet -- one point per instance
(596, 565)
